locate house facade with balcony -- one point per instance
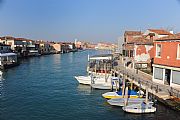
(166, 67)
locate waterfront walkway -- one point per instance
(145, 81)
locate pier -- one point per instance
(163, 93)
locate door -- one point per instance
(167, 76)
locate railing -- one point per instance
(147, 82)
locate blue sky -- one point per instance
(88, 20)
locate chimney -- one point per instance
(171, 32)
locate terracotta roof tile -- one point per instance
(133, 33)
(142, 40)
(170, 37)
(160, 31)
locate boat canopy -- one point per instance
(7, 54)
(101, 57)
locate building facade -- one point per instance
(166, 67)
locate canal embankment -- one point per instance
(164, 93)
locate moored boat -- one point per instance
(121, 101)
(144, 107)
(84, 79)
(131, 94)
(140, 108)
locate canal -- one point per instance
(44, 88)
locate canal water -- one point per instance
(44, 88)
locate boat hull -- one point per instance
(139, 108)
(111, 95)
(121, 101)
(86, 80)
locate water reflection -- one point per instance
(1, 83)
(84, 89)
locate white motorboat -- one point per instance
(104, 86)
(112, 83)
(119, 94)
(121, 101)
(84, 79)
(140, 108)
(88, 80)
(144, 107)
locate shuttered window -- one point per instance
(158, 50)
(178, 51)
(158, 73)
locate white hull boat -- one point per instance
(84, 79)
(140, 108)
(121, 101)
(131, 94)
(112, 83)
(102, 86)
(88, 80)
(97, 79)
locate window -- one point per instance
(158, 73)
(124, 52)
(131, 53)
(178, 51)
(158, 50)
(175, 77)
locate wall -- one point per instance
(144, 53)
(168, 54)
(57, 47)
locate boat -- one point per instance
(131, 94)
(140, 108)
(92, 79)
(100, 74)
(104, 86)
(144, 107)
(84, 79)
(1, 74)
(112, 83)
(121, 101)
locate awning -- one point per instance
(101, 57)
(7, 54)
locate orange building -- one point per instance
(138, 47)
(166, 67)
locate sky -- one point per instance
(85, 20)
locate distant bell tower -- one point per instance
(75, 41)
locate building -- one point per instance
(138, 47)
(78, 44)
(128, 45)
(106, 46)
(157, 33)
(44, 47)
(24, 47)
(143, 53)
(56, 47)
(5, 48)
(7, 58)
(166, 67)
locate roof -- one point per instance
(101, 57)
(7, 54)
(23, 39)
(170, 37)
(160, 31)
(133, 33)
(142, 40)
(7, 38)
